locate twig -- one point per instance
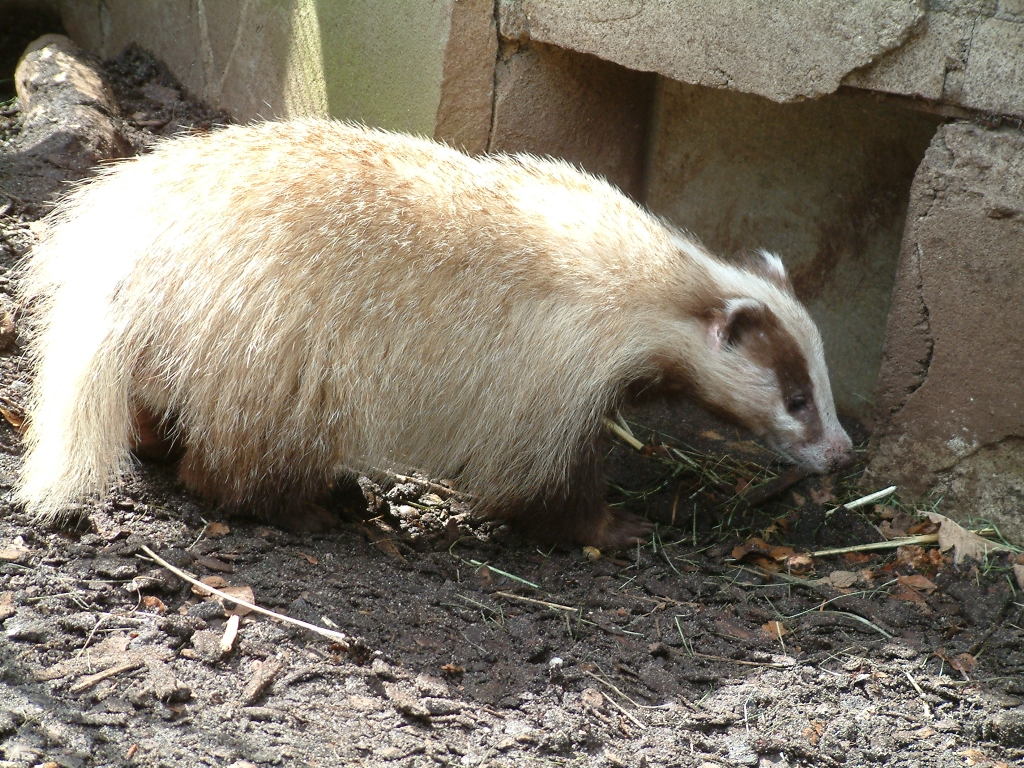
(506, 574)
(623, 434)
(769, 664)
(616, 704)
(871, 498)
(227, 640)
(88, 682)
(924, 538)
(545, 603)
(854, 616)
(338, 637)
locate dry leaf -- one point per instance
(799, 565)
(781, 553)
(814, 731)
(775, 629)
(155, 604)
(452, 669)
(7, 608)
(242, 593)
(917, 582)
(15, 419)
(915, 558)
(842, 579)
(963, 542)
(753, 546)
(728, 628)
(217, 582)
(216, 530)
(308, 558)
(964, 663)
(923, 528)
(214, 564)
(925, 733)
(903, 592)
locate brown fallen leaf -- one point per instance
(7, 608)
(903, 592)
(963, 542)
(154, 604)
(842, 579)
(925, 733)
(242, 593)
(753, 546)
(799, 565)
(308, 558)
(728, 628)
(217, 582)
(781, 553)
(216, 530)
(917, 582)
(813, 732)
(13, 417)
(775, 629)
(452, 669)
(924, 527)
(214, 564)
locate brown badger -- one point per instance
(310, 298)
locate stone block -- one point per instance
(467, 85)
(785, 50)
(951, 385)
(344, 58)
(994, 78)
(549, 101)
(822, 183)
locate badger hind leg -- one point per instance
(577, 512)
(274, 497)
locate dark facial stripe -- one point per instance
(760, 333)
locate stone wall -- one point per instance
(951, 390)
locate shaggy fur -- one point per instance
(296, 300)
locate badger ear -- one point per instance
(737, 322)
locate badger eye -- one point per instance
(797, 404)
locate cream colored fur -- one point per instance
(311, 297)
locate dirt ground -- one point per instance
(723, 641)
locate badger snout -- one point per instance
(824, 456)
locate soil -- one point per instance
(469, 646)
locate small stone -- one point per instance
(207, 645)
(27, 630)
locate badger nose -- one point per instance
(839, 452)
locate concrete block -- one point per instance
(784, 50)
(921, 65)
(823, 183)
(549, 101)
(994, 78)
(951, 385)
(281, 58)
(467, 85)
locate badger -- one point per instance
(290, 302)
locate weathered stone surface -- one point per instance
(784, 50)
(951, 388)
(929, 65)
(467, 86)
(823, 183)
(964, 54)
(549, 101)
(269, 59)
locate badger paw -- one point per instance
(619, 530)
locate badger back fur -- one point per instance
(296, 300)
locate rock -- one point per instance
(949, 418)
(784, 51)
